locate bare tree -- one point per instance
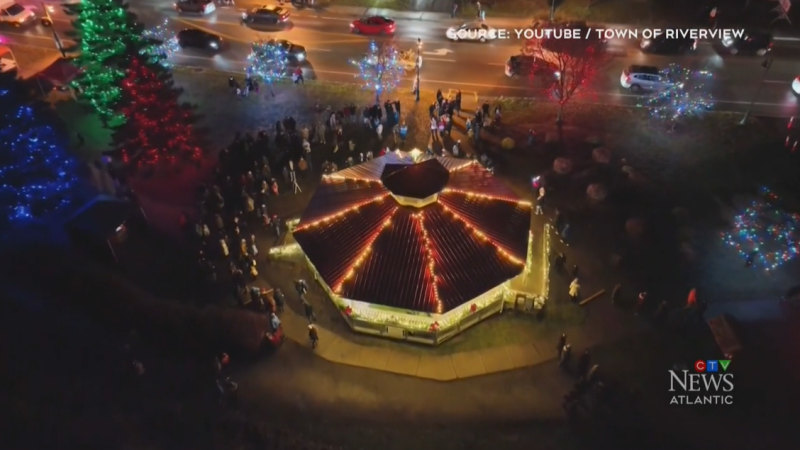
(573, 63)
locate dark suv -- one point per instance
(201, 7)
(266, 15)
(525, 65)
(665, 46)
(194, 38)
(750, 43)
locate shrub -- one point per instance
(507, 143)
(597, 191)
(634, 227)
(562, 166)
(601, 155)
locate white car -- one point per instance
(796, 86)
(475, 31)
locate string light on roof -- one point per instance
(464, 166)
(481, 236)
(351, 271)
(420, 220)
(488, 197)
(764, 234)
(341, 213)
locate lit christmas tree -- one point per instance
(380, 69)
(108, 34)
(764, 234)
(158, 129)
(689, 94)
(37, 175)
(164, 44)
(267, 60)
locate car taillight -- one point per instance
(284, 18)
(627, 78)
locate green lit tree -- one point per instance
(108, 36)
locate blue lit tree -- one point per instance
(268, 61)
(380, 69)
(688, 95)
(163, 44)
(765, 235)
(37, 175)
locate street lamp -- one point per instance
(767, 64)
(419, 60)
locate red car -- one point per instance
(373, 25)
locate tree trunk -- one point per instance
(560, 118)
(270, 89)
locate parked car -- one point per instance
(373, 25)
(16, 15)
(796, 86)
(293, 51)
(524, 65)
(750, 43)
(266, 15)
(475, 31)
(641, 79)
(664, 46)
(194, 38)
(202, 7)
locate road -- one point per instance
(476, 69)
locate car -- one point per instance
(796, 86)
(201, 7)
(16, 15)
(7, 61)
(663, 45)
(194, 38)
(751, 42)
(293, 51)
(373, 25)
(525, 65)
(267, 15)
(475, 31)
(645, 79)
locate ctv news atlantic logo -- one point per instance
(709, 384)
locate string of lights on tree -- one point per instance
(765, 235)
(267, 60)
(688, 94)
(158, 128)
(163, 44)
(37, 174)
(107, 31)
(380, 69)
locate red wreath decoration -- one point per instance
(472, 308)
(348, 311)
(434, 327)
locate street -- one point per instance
(474, 68)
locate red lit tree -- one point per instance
(574, 61)
(158, 128)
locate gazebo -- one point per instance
(415, 248)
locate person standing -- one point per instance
(574, 290)
(308, 310)
(562, 341)
(539, 204)
(640, 301)
(566, 354)
(313, 335)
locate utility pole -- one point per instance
(56, 39)
(419, 63)
(552, 10)
(767, 64)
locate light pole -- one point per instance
(767, 64)
(419, 56)
(552, 10)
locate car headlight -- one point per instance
(244, 15)
(213, 44)
(727, 42)
(646, 43)
(301, 56)
(558, 75)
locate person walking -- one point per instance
(313, 335)
(616, 293)
(640, 301)
(540, 203)
(280, 300)
(574, 290)
(308, 310)
(566, 354)
(562, 341)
